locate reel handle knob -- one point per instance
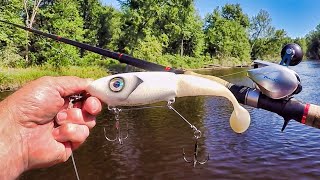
(297, 52)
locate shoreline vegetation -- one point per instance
(13, 78)
(170, 33)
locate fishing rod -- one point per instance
(288, 108)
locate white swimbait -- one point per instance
(140, 88)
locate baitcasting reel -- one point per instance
(277, 81)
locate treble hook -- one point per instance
(118, 137)
(197, 135)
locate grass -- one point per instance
(13, 78)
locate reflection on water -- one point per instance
(157, 136)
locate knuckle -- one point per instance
(76, 133)
(70, 128)
(45, 78)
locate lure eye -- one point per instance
(116, 84)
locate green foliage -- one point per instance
(234, 12)
(183, 27)
(13, 78)
(149, 48)
(227, 39)
(260, 26)
(90, 12)
(303, 44)
(11, 11)
(10, 58)
(175, 24)
(178, 61)
(109, 30)
(266, 41)
(139, 18)
(313, 43)
(63, 19)
(167, 32)
(11, 39)
(90, 59)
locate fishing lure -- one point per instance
(140, 88)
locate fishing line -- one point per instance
(116, 112)
(137, 108)
(70, 105)
(233, 73)
(144, 107)
(75, 166)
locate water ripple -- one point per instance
(154, 147)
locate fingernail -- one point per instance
(62, 116)
(85, 131)
(95, 106)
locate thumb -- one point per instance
(68, 85)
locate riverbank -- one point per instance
(13, 78)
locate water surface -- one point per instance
(157, 136)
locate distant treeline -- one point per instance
(169, 32)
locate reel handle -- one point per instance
(291, 54)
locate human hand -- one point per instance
(38, 129)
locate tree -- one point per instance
(149, 48)
(104, 33)
(109, 23)
(10, 11)
(183, 28)
(266, 41)
(302, 43)
(260, 30)
(175, 24)
(260, 25)
(234, 12)
(138, 17)
(226, 38)
(11, 39)
(61, 18)
(90, 12)
(313, 43)
(314, 49)
(29, 19)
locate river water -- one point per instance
(153, 149)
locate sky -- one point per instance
(296, 17)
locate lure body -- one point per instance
(132, 89)
(140, 88)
